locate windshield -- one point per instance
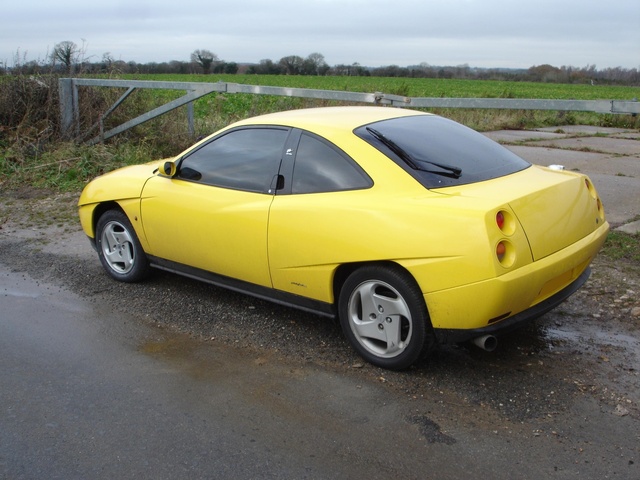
(439, 152)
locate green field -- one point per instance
(214, 111)
(420, 87)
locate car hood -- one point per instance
(126, 182)
(554, 208)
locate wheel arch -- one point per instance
(344, 270)
(397, 283)
(118, 246)
(131, 208)
(100, 209)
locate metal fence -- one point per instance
(69, 107)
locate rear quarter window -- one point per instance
(322, 167)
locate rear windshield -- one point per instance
(439, 152)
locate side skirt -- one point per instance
(258, 291)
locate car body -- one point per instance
(409, 227)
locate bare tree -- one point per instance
(67, 53)
(315, 64)
(108, 61)
(205, 59)
(292, 64)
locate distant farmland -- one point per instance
(214, 111)
(420, 87)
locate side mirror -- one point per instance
(168, 169)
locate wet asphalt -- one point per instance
(91, 393)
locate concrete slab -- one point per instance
(628, 135)
(632, 228)
(552, 156)
(616, 178)
(619, 146)
(620, 197)
(583, 130)
(513, 136)
(586, 162)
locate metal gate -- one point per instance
(69, 108)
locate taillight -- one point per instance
(501, 250)
(600, 210)
(506, 222)
(592, 191)
(505, 251)
(590, 188)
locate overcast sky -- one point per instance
(480, 33)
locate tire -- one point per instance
(119, 249)
(383, 315)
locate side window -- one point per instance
(244, 159)
(320, 167)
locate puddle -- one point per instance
(620, 340)
(620, 349)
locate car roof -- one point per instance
(329, 117)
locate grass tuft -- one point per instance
(622, 246)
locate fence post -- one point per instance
(68, 107)
(190, 123)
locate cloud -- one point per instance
(488, 33)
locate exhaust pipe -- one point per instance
(486, 342)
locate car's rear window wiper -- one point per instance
(450, 170)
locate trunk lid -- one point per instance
(554, 208)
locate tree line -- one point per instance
(69, 58)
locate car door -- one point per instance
(315, 218)
(213, 214)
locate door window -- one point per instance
(243, 159)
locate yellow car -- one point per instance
(410, 228)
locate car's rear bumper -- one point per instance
(527, 292)
(445, 335)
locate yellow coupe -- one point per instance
(410, 228)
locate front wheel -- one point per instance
(119, 249)
(384, 317)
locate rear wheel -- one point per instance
(119, 249)
(383, 315)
